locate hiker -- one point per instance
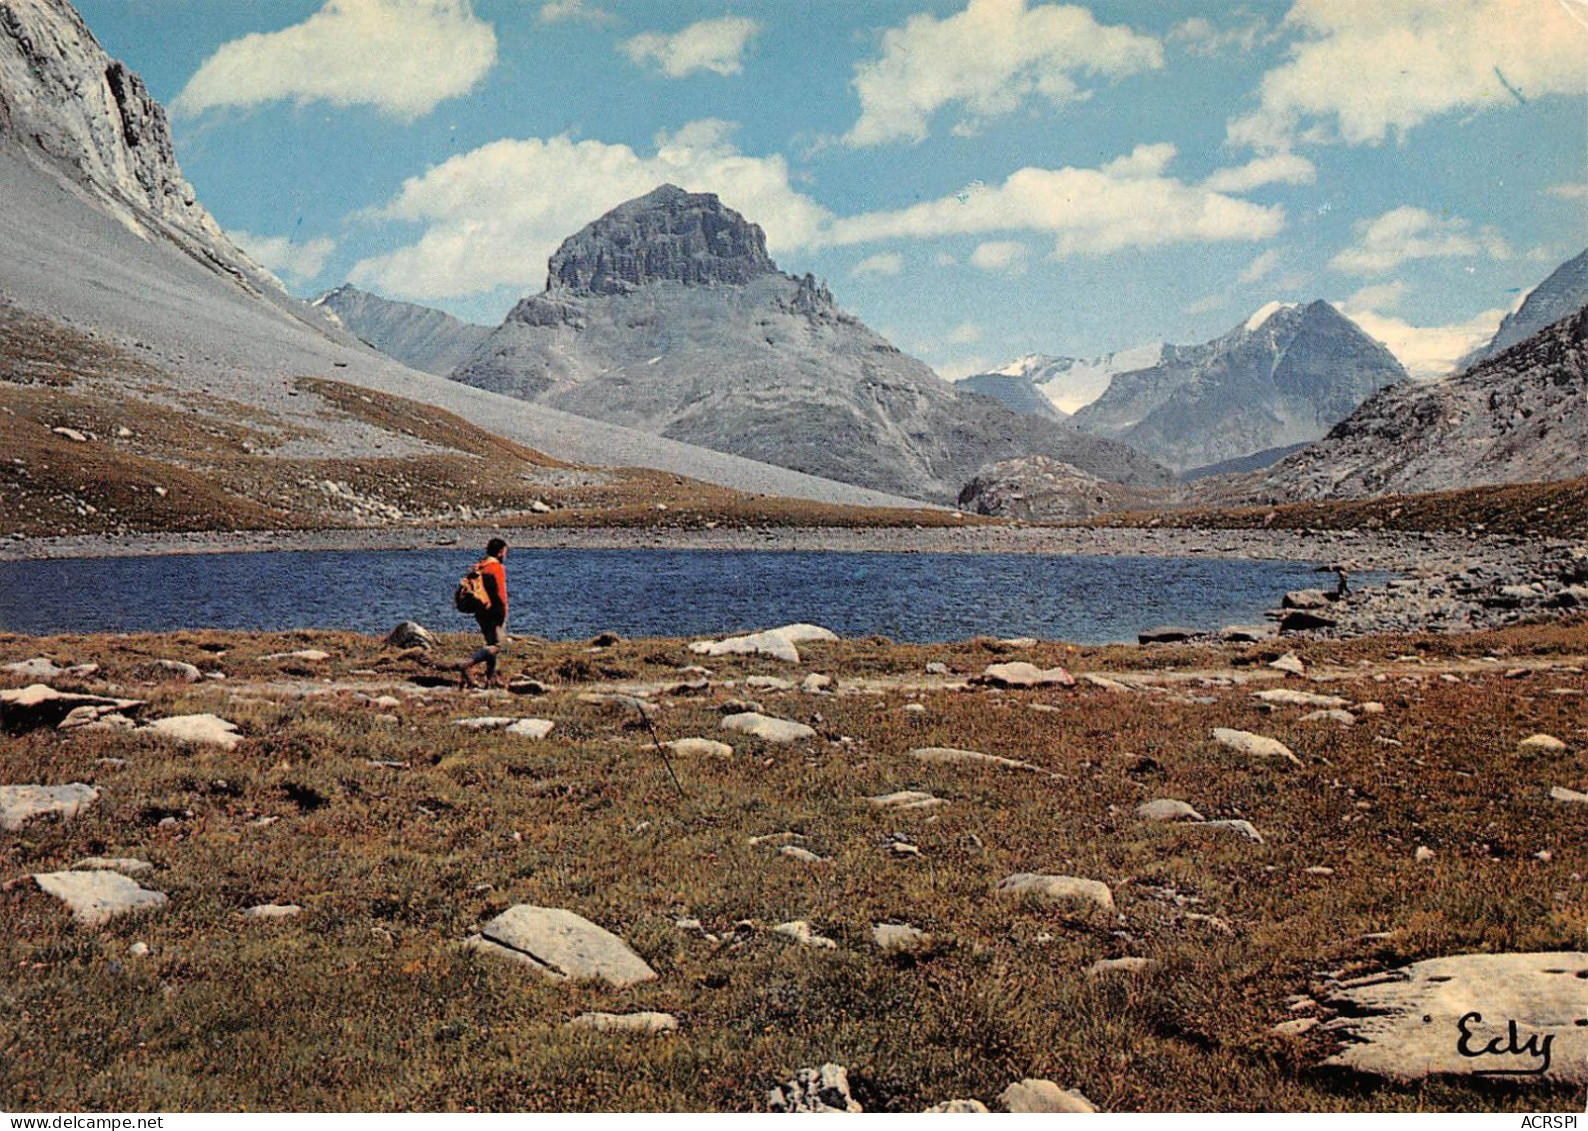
(489, 606)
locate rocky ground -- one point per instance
(787, 872)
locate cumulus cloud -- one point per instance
(493, 216)
(294, 261)
(1203, 37)
(400, 56)
(1425, 351)
(1000, 257)
(988, 60)
(710, 45)
(1274, 169)
(1358, 73)
(1378, 296)
(574, 11)
(1128, 203)
(1408, 233)
(883, 263)
(1260, 267)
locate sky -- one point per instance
(976, 179)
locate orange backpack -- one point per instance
(472, 596)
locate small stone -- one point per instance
(1254, 745)
(126, 865)
(19, 804)
(950, 755)
(272, 911)
(530, 728)
(937, 667)
(178, 669)
(485, 722)
(307, 655)
(800, 931)
(1289, 697)
(769, 683)
(1056, 889)
(903, 848)
(646, 1023)
(815, 683)
(1423, 853)
(138, 950)
(1042, 1097)
(1319, 870)
(906, 800)
(410, 634)
(1338, 717)
(803, 855)
(766, 728)
(699, 748)
(561, 944)
(914, 708)
(1167, 809)
(899, 938)
(198, 730)
(1133, 965)
(1290, 664)
(956, 1107)
(1239, 827)
(1023, 674)
(824, 1089)
(1371, 707)
(96, 896)
(1295, 1028)
(1544, 742)
(1561, 793)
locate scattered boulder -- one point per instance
(769, 683)
(803, 855)
(1254, 745)
(1044, 1096)
(198, 730)
(899, 938)
(177, 669)
(42, 668)
(824, 1089)
(699, 748)
(19, 804)
(767, 728)
(1305, 599)
(949, 755)
(561, 944)
(1286, 697)
(1333, 715)
(1167, 634)
(272, 911)
(26, 708)
(1472, 1015)
(1304, 620)
(96, 896)
(1023, 674)
(410, 634)
(644, 1023)
(800, 931)
(307, 655)
(771, 644)
(485, 722)
(1167, 809)
(906, 800)
(1290, 664)
(1561, 793)
(1248, 633)
(1237, 826)
(1132, 965)
(71, 434)
(530, 728)
(816, 683)
(1056, 889)
(1547, 743)
(95, 718)
(1296, 1028)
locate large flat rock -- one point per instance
(19, 804)
(773, 644)
(97, 896)
(1512, 1017)
(562, 945)
(38, 705)
(1043, 888)
(952, 756)
(197, 730)
(767, 728)
(1254, 745)
(1019, 673)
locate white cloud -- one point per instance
(1274, 169)
(953, 369)
(963, 334)
(1002, 257)
(1359, 72)
(290, 259)
(1425, 351)
(493, 216)
(1407, 233)
(883, 263)
(1260, 267)
(400, 56)
(1206, 304)
(1378, 296)
(1578, 191)
(988, 60)
(574, 11)
(1127, 203)
(1205, 38)
(710, 45)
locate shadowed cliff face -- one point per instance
(667, 315)
(1563, 292)
(1520, 416)
(88, 119)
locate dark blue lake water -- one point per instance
(572, 594)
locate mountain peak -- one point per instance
(668, 235)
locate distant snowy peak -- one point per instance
(1072, 383)
(1563, 293)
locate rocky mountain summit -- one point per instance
(668, 315)
(1520, 416)
(418, 336)
(89, 121)
(1045, 490)
(1564, 292)
(1284, 376)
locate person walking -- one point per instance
(492, 617)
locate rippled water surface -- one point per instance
(570, 594)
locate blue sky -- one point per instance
(976, 179)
